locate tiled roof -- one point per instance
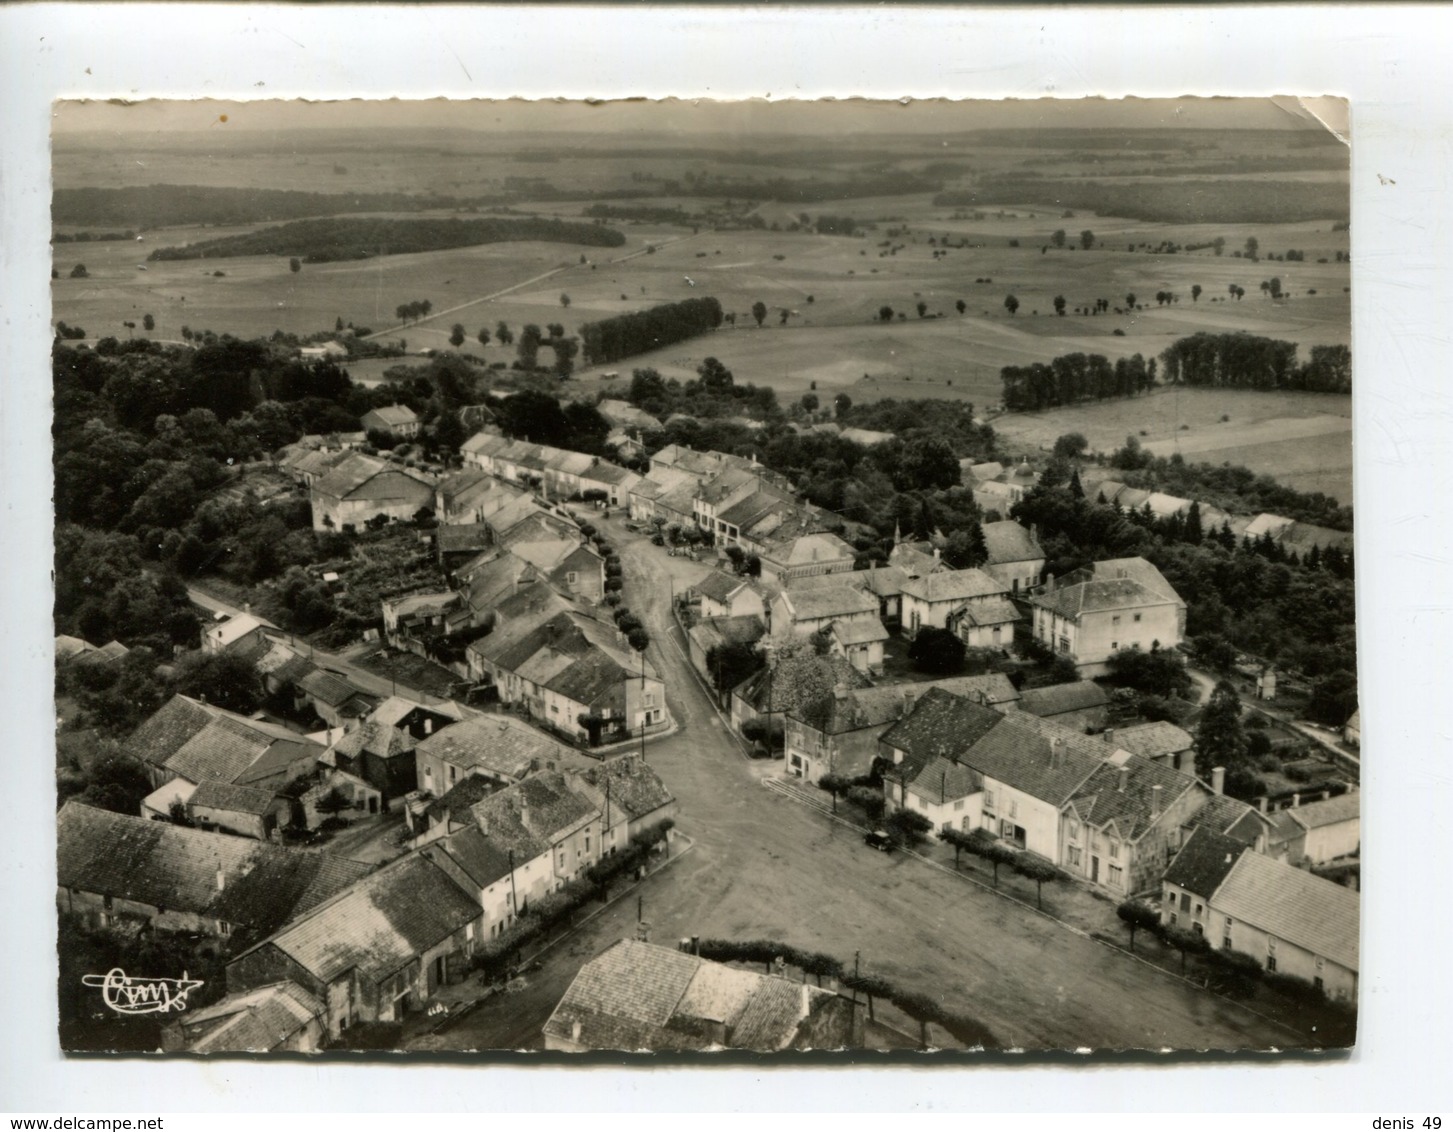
(1124, 793)
(941, 779)
(1007, 541)
(499, 744)
(1138, 570)
(319, 463)
(1078, 695)
(626, 415)
(883, 581)
(986, 471)
(393, 415)
(173, 867)
(995, 687)
(377, 737)
(254, 1021)
(635, 788)
(1204, 861)
(1038, 759)
(806, 549)
(952, 585)
(225, 796)
(162, 735)
(458, 801)
(916, 561)
(234, 628)
(639, 995)
(484, 860)
(719, 586)
(745, 513)
(859, 632)
(1293, 905)
(1153, 740)
(233, 749)
(531, 815)
(460, 538)
(940, 723)
(1089, 597)
(331, 689)
(1331, 811)
(818, 602)
(67, 647)
(992, 611)
(381, 924)
(1225, 815)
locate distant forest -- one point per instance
(323, 241)
(1179, 202)
(611, 339)
(154, 206)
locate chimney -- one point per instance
(1049, 583)
(936, 553)
(524, 815)
(696, 945)
(534, 765)
(1034, 531)
(840, 691)
(1296, 801)
(221, 877)
(1054, 746)
(1261, 804)
(575, 1031)
(1108, 735)
(1124, 779)
(1218, 779)
(806, 1007)
(428, 726)
(1155, 801)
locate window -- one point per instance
(1114, 644)
(469, 932)
(1172, 918)
(453, 774)
(1137, 617)
(1115, 620)
(587, 843)
(1075, 855)
(1198, 929)
(650, 699)
(1013, 807)
(562, 858)
(959, 805)
(571, 577)
(1185, 902)
(224, 928)
(1114, 850)
(1117, 876)
(1320, 964)
(429, 773)
(988, 799)
(1271, 963)
(1074, 831)
(1198, 908)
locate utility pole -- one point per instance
(514, 899)
(643, 707)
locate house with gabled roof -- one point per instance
(1289, 920)
(1160, 741)
(375, 952)
(279, 1018)
(245, 811)
(113, 867)
(1119, 604)
(1079, 704)
(398, 421)
(1014, 557)
(838, 732)
(200, 742)
(497, 748)
(714, 632)
(729, 595)
(234, 634)
(641, 996)
(1124, 823)
(361, 488)
(966, 596)
(797, 614)
(567, 564)
(622, 414)
(570, 668)
(1324, 830)
(792, 677)
(795, 545)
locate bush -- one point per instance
(937, 652)
(870, 801)
(909, 827)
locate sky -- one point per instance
(685, 118)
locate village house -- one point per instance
(279, 1018)
(199, 742)
(789, 551)
(1160, 741)
(797, 614)
(729, 595)
(838, 733)
(860, 643)
(499, 748)
(112, 868)
(375, 952)
(1015, 559)
(1080, 705)
(966, 595)
(244, 811)
(313, 805)
(1119, 604)
(917, 559)
(1323, 831)
(397, 421)
(567, 564)
(557, 472)
(644, 494)
(630, 796)
(573, 674)
(363, 488)
(1290, 921)
(1124, 823)
(1352, 730)
(240, 633)
(791, 678)
(380, 749)
(637, 995)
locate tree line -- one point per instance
(1245, 361)
(1074, 377)
(344, 238)
(624, 335)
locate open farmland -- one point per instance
(1302, 439)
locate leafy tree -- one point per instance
(456, 335)
(295, 265)
(966, 548)
(1334, 698)
(841, 404)
(1252, 247)
(1087, 239)
(639, 639)
(80, 272)
(836, 785)
(115, 782)
(958, 839)
(937, 652)
(984, 844)
(1038, 870)
(333, 803)
(224, 679)
(1071, 446)
(483, 336)
(503, 333)
(1059, 305)
(885, 313)
(759, 311)
(529, 345)
(564, 300)
(727, 665)
(565, 351)
(922, 308)
(1130, 300)
(1157, 672)
(1137, 914)
(1011, 304)
(810, 402)
(870, 801)
(961, 306)
(1185, 941)
(1195, 292)
(909, 826)
(1058, 239)
(1220, 738)
(148, 323)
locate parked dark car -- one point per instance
(879, 840)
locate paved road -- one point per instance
(764, 866)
